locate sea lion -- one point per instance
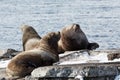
(30, 37)
(45, 54)
(73, 38)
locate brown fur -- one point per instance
(29, 33)
(50, 42)
(73, 38)
(45, 54)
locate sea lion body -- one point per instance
(44, 55)
(32, 44)
(30, 37)
(24, 63)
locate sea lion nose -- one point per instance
(76, 27)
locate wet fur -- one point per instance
(46, 54)
(29, 33)
(73, 38)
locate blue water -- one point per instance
(99, 19)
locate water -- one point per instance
(99, 19)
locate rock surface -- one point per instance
(113, 56)
(88, 71)
(3, 74)
(92, 70)
(8, 54)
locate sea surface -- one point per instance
(99, 19)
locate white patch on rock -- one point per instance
(3, 64)
(79, 77)
(117, 77)
(86, 58)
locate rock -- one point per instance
(9, 53)
(68, 71)
(3, 74)
(117, 77)
(2, 52)
(88, 71)
(113, 56)
(92, 70)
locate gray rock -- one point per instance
(89, 71)
(113, 56)
(9, 53)
(3, 74)
(74, 70)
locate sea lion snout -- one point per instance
(76, 27)
(23, 27)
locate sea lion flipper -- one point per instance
(92, 46)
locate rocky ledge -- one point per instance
(77, 65)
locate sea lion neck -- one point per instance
(50, 42)
(60, 48)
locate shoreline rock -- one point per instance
(87, 71)
(71, 71)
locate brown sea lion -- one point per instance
(45, 54)
(30, 37)
(73, 38)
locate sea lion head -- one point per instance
(73, 38)
(72, 31)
